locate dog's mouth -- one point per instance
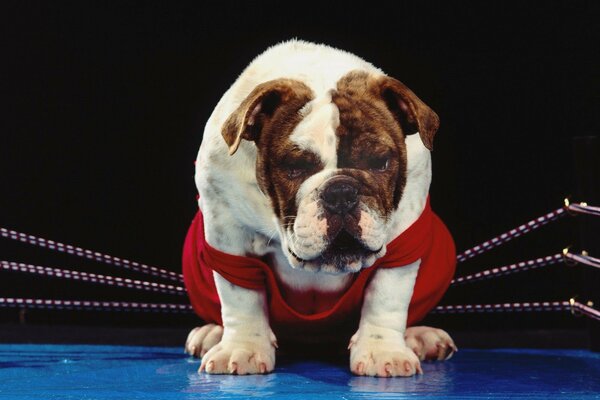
(343, 250)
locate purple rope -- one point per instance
(586, 310)
(574, 209)
(91, 255)
(90, 305)
(584, 259)
(93, 278)
(81, 305)
(513, 233)
(583, 208)
(572, 305)
(509, 269)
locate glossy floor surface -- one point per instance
(122, 372)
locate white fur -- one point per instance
(373, 229)
(248, 344)
(305, 280)
(316, 132)
(379, 342)
(418, 179)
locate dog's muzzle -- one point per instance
(340, 199)
(342, 244)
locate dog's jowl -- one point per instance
(314, 218)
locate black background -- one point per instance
(104, 103)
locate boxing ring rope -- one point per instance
(92, 278)
(91, 255)
(583, 258)
(93, 305)
(572, 305)
(565, 256)
(122, 306)
(567, 209)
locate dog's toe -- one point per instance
(430, 343)
(239, 358)
(202, 339)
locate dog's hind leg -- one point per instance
(202, 339)
(430, 343)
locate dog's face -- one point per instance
(333, 167)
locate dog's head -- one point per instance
(335, 166)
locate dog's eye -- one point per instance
(299, 168)
(378, 164)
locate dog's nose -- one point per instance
(340, 196)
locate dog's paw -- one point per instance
(382, 353)
(240, 357)
(430, 343)
(202, 339)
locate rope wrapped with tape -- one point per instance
(91, 255)
(567, 209)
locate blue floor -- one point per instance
(119, 372)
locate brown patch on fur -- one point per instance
(281, 166)
(260, 106)
(268, 116)
(371, 146)
(376, 114)
(412, 114)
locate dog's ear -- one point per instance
(247, 121)
(412, 114)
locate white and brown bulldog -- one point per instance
(313, 177)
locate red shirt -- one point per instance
(427, 239)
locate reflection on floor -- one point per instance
(127, 372)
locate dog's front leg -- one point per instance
(378, 347)
(248, 344)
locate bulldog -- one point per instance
(314, 219)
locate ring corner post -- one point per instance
(586, 167)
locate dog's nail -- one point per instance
(360, 368)
(233, 368)
(210, 366)
(274, 343)
(446, 351)
(263, 368)
(418, 352)
(388, 369)
(407, 367)
(419, 369)
(450, 351)
(442, 351)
